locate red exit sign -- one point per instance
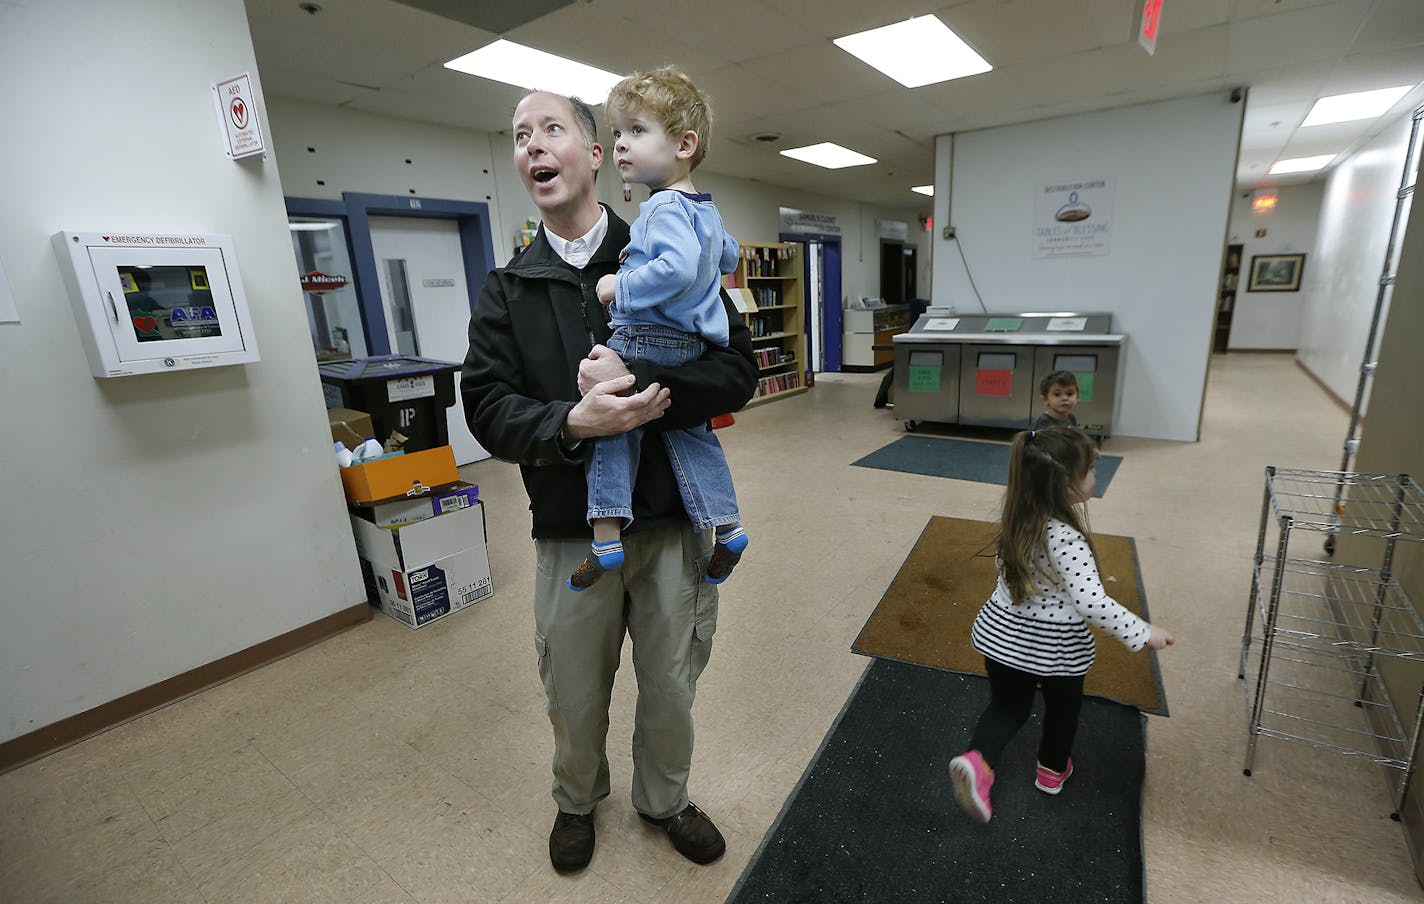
(1151, 17)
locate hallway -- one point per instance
(390, 765)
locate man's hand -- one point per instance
(603, 412)
(607, 288)
(601, 365)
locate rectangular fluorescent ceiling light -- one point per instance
(919, 51)
(924, 190)
(1300, 165)
(831, 156)
(525, 67)
(1350, 107)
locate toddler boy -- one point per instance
(665, 304)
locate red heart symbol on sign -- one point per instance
(106, 238)
(145, 324)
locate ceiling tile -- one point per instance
(1286, 84)
(823, 70)
(306, 86)
(1112, 19)
(330, 58)
(739, 95)
(591, 34)
(1179, 16)
(1392, 24)
(1366, 71)
(1284, 39)
(838, 18)
(738, 29)
(1008, 33)
(370, 25)
(1251, 9)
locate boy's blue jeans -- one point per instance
(696, 456)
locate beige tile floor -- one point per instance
(389, 765)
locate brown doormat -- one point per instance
(925, 614)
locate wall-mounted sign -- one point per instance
(237, 112)
(445, 283)
(801, 221)
(1073, 217)
(319, 283)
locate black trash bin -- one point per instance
(401, 393)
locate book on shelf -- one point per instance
(778, 383)
(773, 356)
(743, 299)
(763, 260)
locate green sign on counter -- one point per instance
(1003, 325)
(924, 379)
(1085, 386)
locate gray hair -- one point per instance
(583, 115)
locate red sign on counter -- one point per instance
(994, 382)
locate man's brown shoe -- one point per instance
(692, 833)
(571, 841)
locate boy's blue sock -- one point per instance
(731, 542)
(733, 536)
(602, 557)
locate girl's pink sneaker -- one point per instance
(972, 780)
(1050, 782)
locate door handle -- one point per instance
(112, 307)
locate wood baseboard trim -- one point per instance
(42, 742)
(1326, 389)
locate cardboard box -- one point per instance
(422, 572)
(412, 508)
(349, 426)
(397, 475)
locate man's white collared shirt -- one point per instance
(577, 252)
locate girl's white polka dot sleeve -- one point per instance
(1074, 562)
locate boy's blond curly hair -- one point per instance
(668, 94)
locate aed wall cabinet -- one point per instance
(151, 303)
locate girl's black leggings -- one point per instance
(1011, 701)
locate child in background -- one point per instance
(664, 303)
(1032, 631)
(1059, 391)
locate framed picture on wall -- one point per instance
(1275, 272)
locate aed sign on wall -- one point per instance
(237, 113)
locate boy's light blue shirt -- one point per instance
(671, 270)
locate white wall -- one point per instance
(1173, 165)
(151, 524)
(365, 152)
(352, 151)
(1271, 320)
(1342, 280)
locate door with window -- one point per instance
(420, 267)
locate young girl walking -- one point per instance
(1033, 631)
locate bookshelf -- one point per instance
(766, 288)
(1226, 297)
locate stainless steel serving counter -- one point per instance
(985, 369)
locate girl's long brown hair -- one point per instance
(1043, 467)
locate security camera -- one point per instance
(1236, 95)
